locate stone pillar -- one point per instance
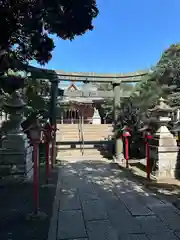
(116, 106)
(16, 152)
(53, 101)
(53, 110)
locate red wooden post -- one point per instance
(35, 136)
(47, 162)
(147, 160)
(53, 145)
(148, 165)
(52, 153)
(126, 134)
(36, 176)
(127, 151)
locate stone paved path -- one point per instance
(95, 201)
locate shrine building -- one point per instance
(76, 105)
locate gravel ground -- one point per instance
(16, 202)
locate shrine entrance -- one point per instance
(78, 133)
(55, 76)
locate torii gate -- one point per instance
(54, 76)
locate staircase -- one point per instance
(70, 144)
(71, 133)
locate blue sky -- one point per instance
(128, 36)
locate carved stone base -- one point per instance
(17, 141)
(165, 152)
(16, 157)
(167, 159)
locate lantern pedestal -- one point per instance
(165, 151)
(18, 161)
(39, 216)
(16, 152)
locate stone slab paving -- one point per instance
(70, 201)
(93, 210)
(133, 237)
(98, 230)
(71, 225)
(97, 202)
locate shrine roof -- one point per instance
(80, 87)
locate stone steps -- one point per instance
(78, 152)
(77, 138)
(70, 132)
(88, 154)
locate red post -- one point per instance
(148, 136)
(147, 159)
(36, 177)
(52, 153)
(126, 134)
(53, 145)
(47, 162)
(127, 151)
(35, 136)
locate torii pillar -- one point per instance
(53, 110)
(116, 107)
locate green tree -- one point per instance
(106, 109)
(167, 73)
(28, 26)
(29, 23)
(35, 92)
(146, 93)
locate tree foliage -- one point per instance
(26, 26)
(146, 93)
(162, 81)
(167, 70)
(106, 109)
(167, 73)
(35, 92)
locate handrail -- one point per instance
(81, 132)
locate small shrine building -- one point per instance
(73, 108)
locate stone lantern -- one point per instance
(96, 119)
(15, 108)
(164, 148)
(16, 149)
(162, 112)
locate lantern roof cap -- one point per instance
(162, 107)
(15, 100)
